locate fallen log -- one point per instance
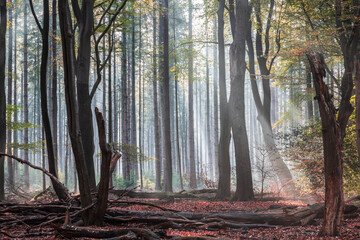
(87, 232)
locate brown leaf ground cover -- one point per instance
(351, 228)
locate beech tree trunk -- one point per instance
(164, 79)
(244, 187)
(225, 126)
(332, 143)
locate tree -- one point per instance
(60, 190)
(26, 97)
(225, 127)
(332, 143)
(164, 79)
(157, 134)
(67, 39)
(244, 188)
(192, 183)
(3, 23)
(10, 90)
(264, 106)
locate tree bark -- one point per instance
(67, 39)
(10, 90)
(157, 129)
(164, 79)
(332, 143)
(125, 112)
(85, 20)
(244, 187)
(44, 100)
(54, 89)
(192, 183)
(225, 126)
(26, 98)
(102, 196)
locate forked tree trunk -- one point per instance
(67, 39)
(332, 143)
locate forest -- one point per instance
(179, 119)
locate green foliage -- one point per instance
(12, 125)
(121, 183)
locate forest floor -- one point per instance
(350, 230)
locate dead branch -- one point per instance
(52, 177)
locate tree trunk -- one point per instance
(157, 130)
(44, 100)
(125, 102)
(192, 183)
(26, 104)
(244, 187)
(164, 79)
(216, 109)
(133, 88)
(54, 82)
(102, 195)
(332, 143)
(225, 126)
(10, 90)
(72, 107)
(3, 23)
(176, 104)
(85, 25)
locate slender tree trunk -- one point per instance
(192, 183)
(3, 23)
(141, 145)
(54, 82)
(10, 91)
(157, 130)
(225, 126)
(61, 192)
(133, 89)
(208, 113)
(26, 104)
(264, 107)
(110, 101)
(125, 124)
(15, 150)
(164, 79)
(176, 104)
(216, 109)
